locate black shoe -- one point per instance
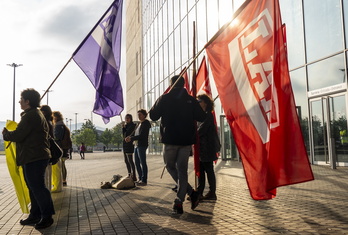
(29, 220)
(64, 184)
(210, 196)
(177, 209)
(44, 223)
(195, 196)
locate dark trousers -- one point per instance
(128, 159)
(206, 168)
(40, 196)
(140, 162)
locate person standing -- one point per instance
(82, 151)
(47, 112)
(141, 142)
(33, 154)
(62, 137)
(128, 148)
(207, 149)
(178, 112)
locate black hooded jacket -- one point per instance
(178, 112)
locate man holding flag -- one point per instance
(178, 112)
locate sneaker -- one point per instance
(210, 196)
(194, 199)
(177, 209)
(141, 183)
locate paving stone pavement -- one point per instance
(316, 207)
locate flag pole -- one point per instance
(194, 92)
(78, 48)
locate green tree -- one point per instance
(86, 136)
(106, 137)
(89, 125)
(117, 137)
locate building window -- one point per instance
(323, 28)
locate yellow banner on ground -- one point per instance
(16, 172)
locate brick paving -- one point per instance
(317, 207)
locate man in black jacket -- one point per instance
(178, 112)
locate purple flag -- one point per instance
(99, 57)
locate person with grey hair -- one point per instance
(178, 112)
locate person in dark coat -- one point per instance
(59, 131)
(178, 112)
(33, 154)
(207, 154)
(141, 141)
(128, 147)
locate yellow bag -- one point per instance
(16, 172)
(57, 178)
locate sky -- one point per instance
(42, 35)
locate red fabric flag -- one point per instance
(202, 79)
(250, 68)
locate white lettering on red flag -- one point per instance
(255, 94)
(249, 65)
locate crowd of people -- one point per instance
(185, 121)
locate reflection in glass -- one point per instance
(320, 147)
(298, 82)
(326, 72)
(323, 26)
(338, 116)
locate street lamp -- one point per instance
(14, 65)
(75, 122)
(47, 94)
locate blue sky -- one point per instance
(42, 35)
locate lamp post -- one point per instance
(47, 94)
(14, 65)
(75, 122)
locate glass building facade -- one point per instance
(317, 55)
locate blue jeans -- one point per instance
(140, 162)
(40, 196)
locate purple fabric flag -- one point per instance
(99, 57)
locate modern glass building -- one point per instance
(162, 33)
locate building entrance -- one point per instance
(329, 130)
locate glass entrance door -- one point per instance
(329, 130)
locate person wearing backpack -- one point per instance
(62, 137)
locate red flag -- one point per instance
(250, 69)
(202, 79)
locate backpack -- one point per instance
(66, 141)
